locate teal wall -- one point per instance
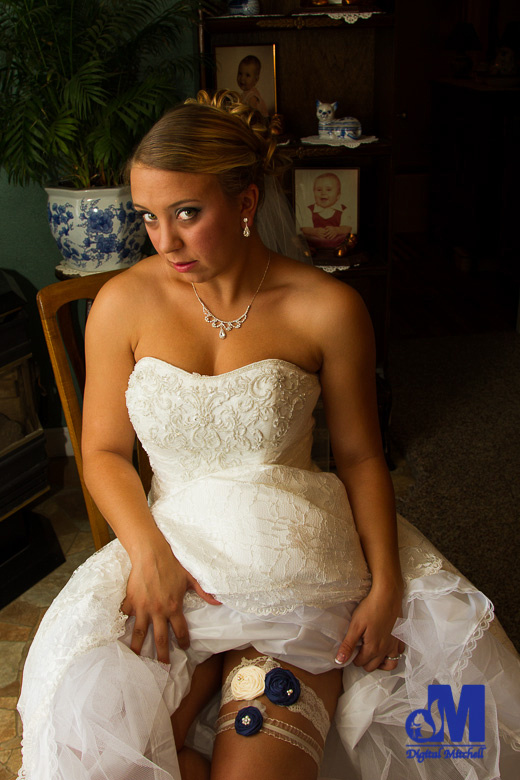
(26, 243)
(29, 254)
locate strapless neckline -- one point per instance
(247, 367)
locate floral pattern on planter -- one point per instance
(95, 230)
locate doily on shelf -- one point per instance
(347, 16)
(352, 144)
(330, 269)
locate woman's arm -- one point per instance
(157, 581)
(348, 385)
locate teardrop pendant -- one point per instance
(222, 334)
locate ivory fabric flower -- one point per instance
(248, 683)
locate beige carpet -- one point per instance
(456, 421)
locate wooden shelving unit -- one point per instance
(320, 56)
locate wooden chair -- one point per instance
(57, 306)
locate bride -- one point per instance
(250, 600)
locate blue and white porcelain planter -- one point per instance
(96, 230)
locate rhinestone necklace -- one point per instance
(227, 325)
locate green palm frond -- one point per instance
(82, 80)
(85, 88)
(25, 139)
(127, 118)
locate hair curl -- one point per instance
(213, 134)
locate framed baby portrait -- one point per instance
(326, 207)
(250, 71)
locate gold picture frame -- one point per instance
(260, 65)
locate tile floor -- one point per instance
(19, 620)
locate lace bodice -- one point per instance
(234, 488)
(193, 425)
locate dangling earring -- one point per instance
(246, 232)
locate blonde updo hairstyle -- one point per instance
(214, 135)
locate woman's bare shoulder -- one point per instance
(313, 286)
(122, 304)
(130, 290)
(329, 313)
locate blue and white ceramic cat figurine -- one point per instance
(330, 128)
(244, 7)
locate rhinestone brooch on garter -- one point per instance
(227, 325)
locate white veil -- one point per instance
(276, 224)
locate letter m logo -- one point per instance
(471, 709)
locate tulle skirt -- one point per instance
(93, 710)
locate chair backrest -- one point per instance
(57, 305)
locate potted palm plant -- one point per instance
(80, 82)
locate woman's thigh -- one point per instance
(206, 681)
(269, 757)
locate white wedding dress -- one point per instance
(247, 513)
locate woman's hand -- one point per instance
(155, 594)
(372, 623)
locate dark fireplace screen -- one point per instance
(28, 546)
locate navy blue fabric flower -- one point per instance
(282, 687)
(248, 721)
